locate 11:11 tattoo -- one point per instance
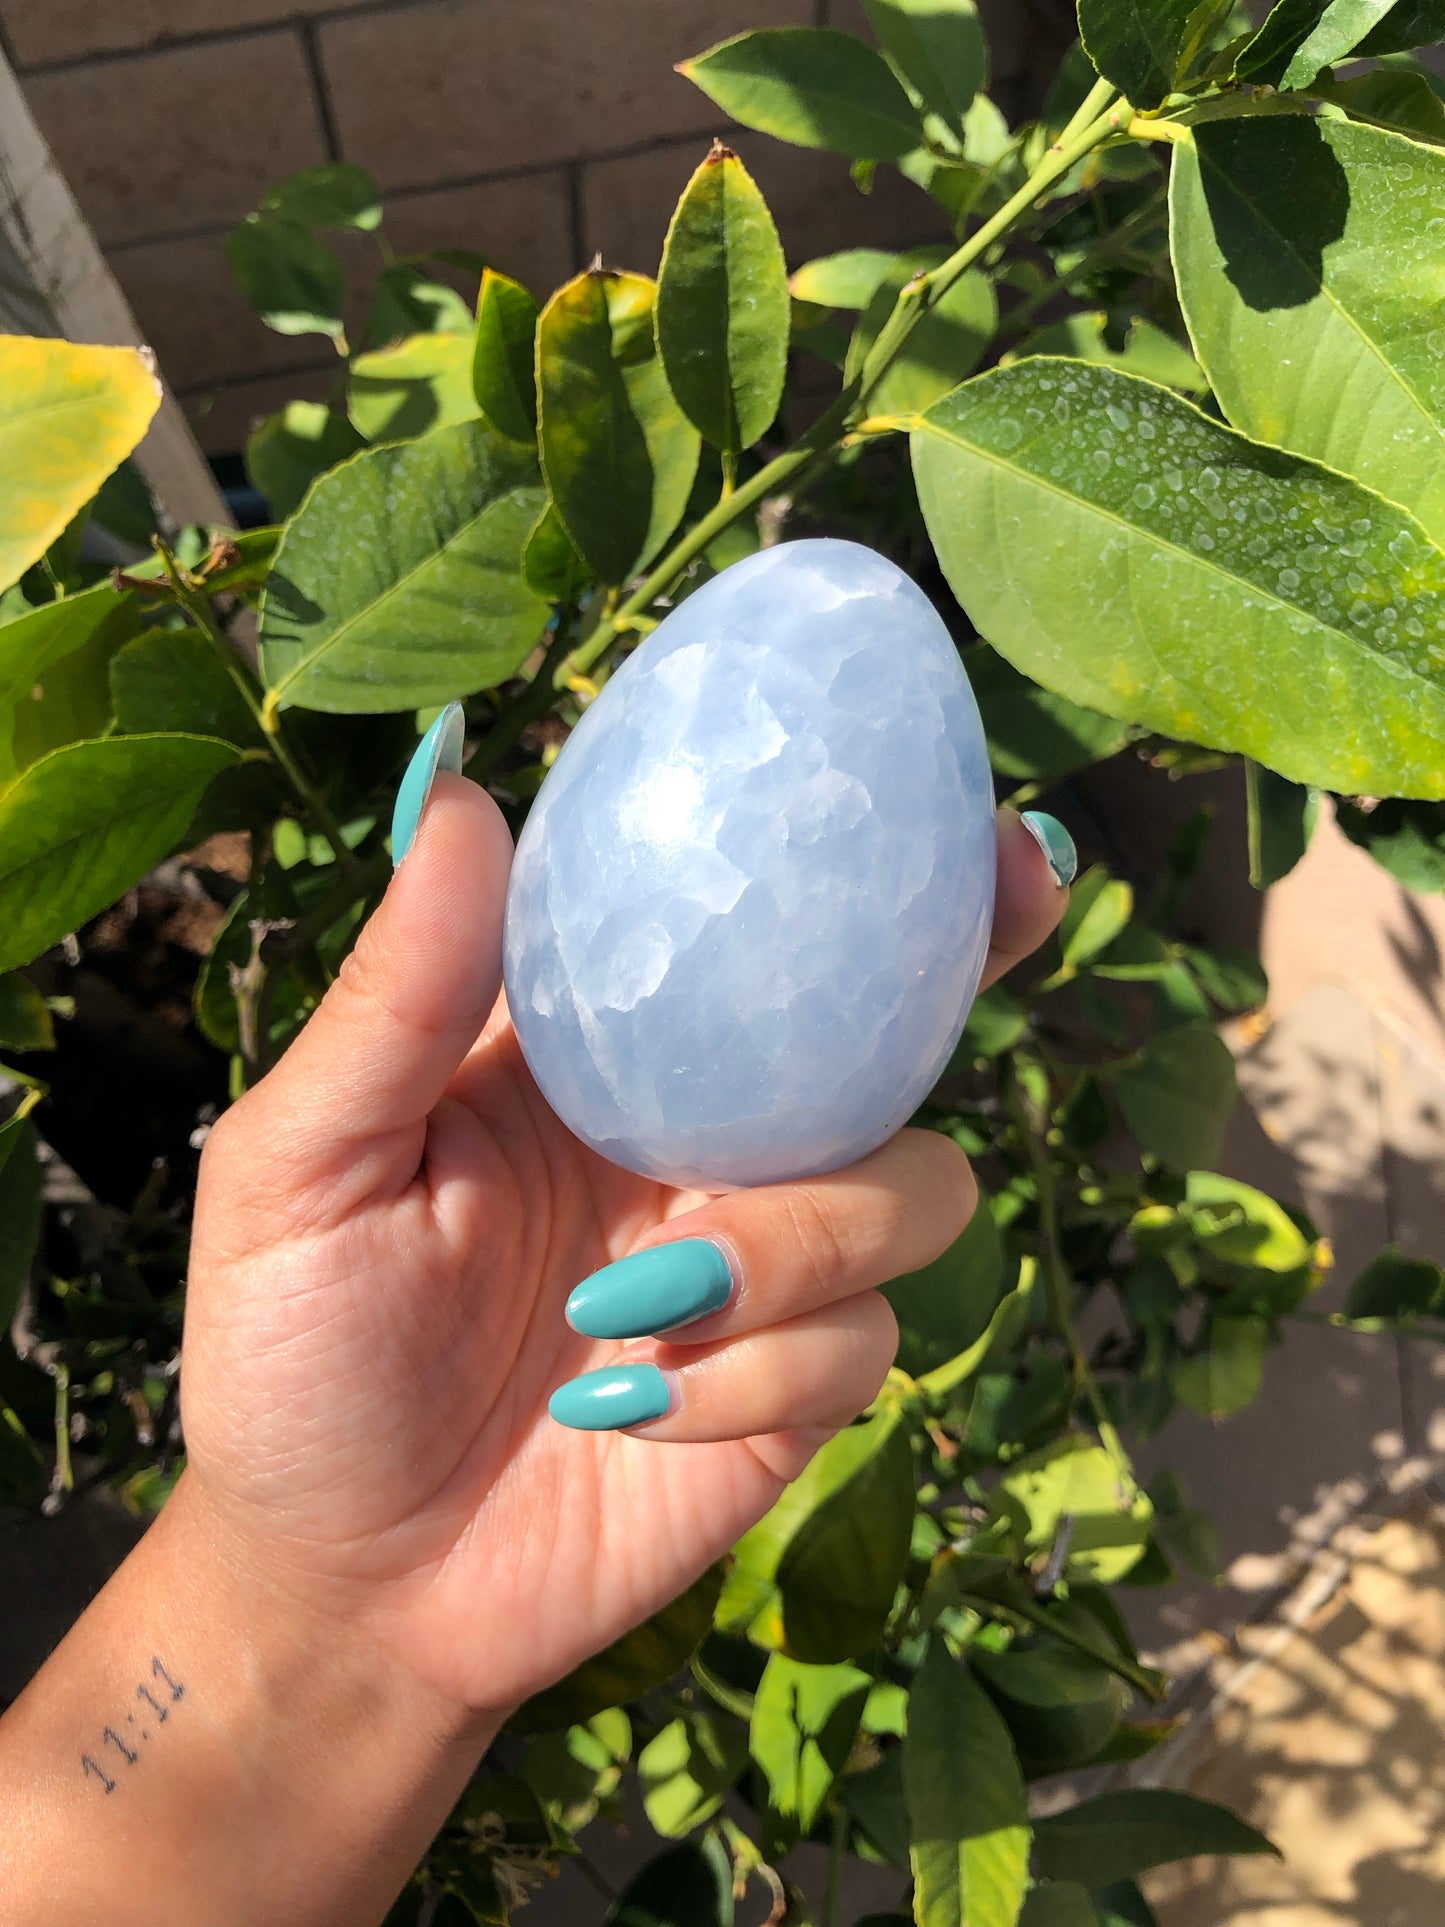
(127, 1745)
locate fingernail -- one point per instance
(440, 748)
(1055, 842)
(652, 1291)
(614, 1398)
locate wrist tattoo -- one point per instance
(120, 1749)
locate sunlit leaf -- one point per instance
(68, 416)
(812, 86)
(722, 305)
(293, 281)
(504, 364)
(967, 1814)
(401, 392)
(83, 824)
(1239, 597)
(400, 581)
(292, 447)
(1311, 283)
(618, 453)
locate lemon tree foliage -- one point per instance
(1155, 382)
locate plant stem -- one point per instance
(914, 301)
(1020, 1607)
(1056, 1277)
(1099, 96)
(267, 720)
(529, 706)
(837, 1846)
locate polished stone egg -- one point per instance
(751, 903)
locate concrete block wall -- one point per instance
(536, 132)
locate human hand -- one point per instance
(387, 1232)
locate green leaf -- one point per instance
(1060, 1705)
(995, 1024)
(1054, 1903)
(406, 301)
(553, 568)
(401, 392)
(1341, 27)
(336, 195)
(292, 447)
(504, 364)
(53, 666)
(849, 279)
(1239, 1225)
(1147, 350)
(1297, 244)
(1178, 1094)
(68, 416)
(630, 1666)
(1226, 1375)
(944, 347)
(839, 1572)
(1099, 907)
(862, 1469)
(723, 310)
(25, 1022)
(944, 1307)
(293, 281)
(999, 1332)
(1235, 979)
(812, 86)
(1282, 817)
(1034, 735)
(174, 680)
(938, 46)
(688, 1886)
(1401, 103)
(687, 1769)
(1409, 23)
(1391, 1286)
(82, 825)
(1407, 839)
(399, 583)
(1264, 58)
(618, 453)
(1121, 1904)
(20, 1190)
(1239, 597)
(967, 1815)
(1117, 1835)
(875, 1804)
(802, 1730)
(1138, 44)
(1073, 1479)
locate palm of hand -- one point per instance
(397, 1449)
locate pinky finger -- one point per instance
(815, 1371)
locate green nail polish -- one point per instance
(612, 1399)
(1055, 842)
(440, 748)
(652, 1291)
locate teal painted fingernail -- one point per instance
(652, 1291)
(612, 1399)
(440, 748)
(1055, 842)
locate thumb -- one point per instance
(407, 1005)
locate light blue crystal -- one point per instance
(751, 904)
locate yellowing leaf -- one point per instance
(68, 416)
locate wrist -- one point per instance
(244, 1751)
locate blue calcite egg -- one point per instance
(751, 903)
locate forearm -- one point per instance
(203, 1748)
